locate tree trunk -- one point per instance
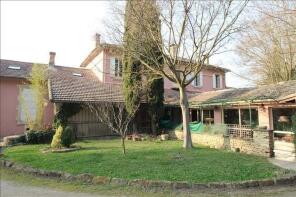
(153, 125)
(123, 144)
(187, 143)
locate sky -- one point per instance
(31, 29)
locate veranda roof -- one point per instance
(283, 91)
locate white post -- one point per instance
(201, 115)
(239, 121)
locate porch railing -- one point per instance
(240, 131)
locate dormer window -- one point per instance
(217, 81)
(77, 74)
(14, 67)
(116, 67)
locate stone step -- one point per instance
(283, 154)
(283, 144)
(285, 158)
(287, 149)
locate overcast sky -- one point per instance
(31, 29)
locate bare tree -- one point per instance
(115, 116)
(190, 33)
(268, 46)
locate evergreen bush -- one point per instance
(39, 137)
(67, 138)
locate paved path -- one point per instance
(12, 189)
(290, 165)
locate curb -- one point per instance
(150, 184)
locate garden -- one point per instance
(150, 160)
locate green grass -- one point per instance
(148, 160)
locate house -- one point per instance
(13, 85)
(98, 79)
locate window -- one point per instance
(77, 74)
(217, 81)
(14, 67)
(27, 105)
(116, 67)
(197, 82)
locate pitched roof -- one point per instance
(266, 93)
(66, 87)
(171, 96)
(23, 72)
(93, 54)
(118, 47)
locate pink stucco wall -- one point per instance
(9, 103)
(218, 115)
(207, 85)
(108, 78)
(207, 76)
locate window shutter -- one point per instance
(201, 79)
(112, 66)
(214, 81)
(221, 78)
(28, 107)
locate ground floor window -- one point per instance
(282, 119)
(231, 116)
(27, 105)
(248, 116)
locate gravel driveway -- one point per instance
(12, 189)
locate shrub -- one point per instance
(67, 137)
(39, 137)
(56, 141)
(21, 139)
(31, 137)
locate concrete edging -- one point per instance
(150, 184)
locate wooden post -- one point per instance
(250, 114)
(222, 114)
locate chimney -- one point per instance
(173, 50)
(51, 58)
(98, 40)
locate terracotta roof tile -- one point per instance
(273, 92)
(65, 87)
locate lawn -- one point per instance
(148, 160)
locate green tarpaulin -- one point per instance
(195, 127)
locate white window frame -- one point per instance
(200, 80)
(115, 68)
(215, 82)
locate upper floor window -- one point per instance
(116, 67)
(217, 81)
(197, 82)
